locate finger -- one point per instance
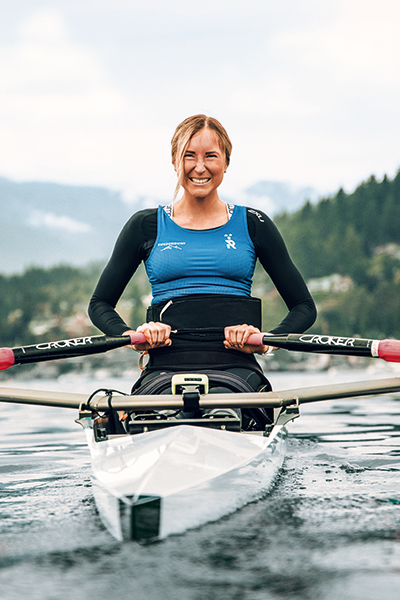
(242, 334)
(157, 334)
(234, 335)
(162, 331)
(150, 332)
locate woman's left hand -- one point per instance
(236, 337)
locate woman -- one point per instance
(200, 255)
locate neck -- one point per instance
(200, 213)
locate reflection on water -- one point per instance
(329, 530)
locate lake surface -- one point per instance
(329, 529)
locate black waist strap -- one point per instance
(176, 359)
(207, 311)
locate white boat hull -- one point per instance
(165, 482)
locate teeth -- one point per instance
(199, 181)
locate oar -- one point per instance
(82, 346)
(101, 402)
(388, 350)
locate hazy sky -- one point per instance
(91, 90)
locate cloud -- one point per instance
(307, 90)
(46, 75)
(59, 109)
(48, 220)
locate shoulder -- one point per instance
(141, 216)
(262, 230)
(142, 222)
(257, 220)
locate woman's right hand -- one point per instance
(157, 335)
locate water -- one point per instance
(329, 530)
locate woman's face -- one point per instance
(204, 164)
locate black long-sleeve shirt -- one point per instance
(136, 241)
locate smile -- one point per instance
(199, 181)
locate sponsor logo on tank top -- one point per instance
(254, 212)
(230, 243)
(171, 245)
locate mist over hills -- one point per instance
(45, 224)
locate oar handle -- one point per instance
(256, 339)
(137, 338)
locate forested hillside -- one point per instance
(356, 236)
(49, 304)
(346, 246)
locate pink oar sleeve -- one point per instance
(137, 338)
(7, 358)
(256, 339)
(389, 350)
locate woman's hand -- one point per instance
(236, 337)
(157, 335)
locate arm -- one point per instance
(274, 257)
(133, 245)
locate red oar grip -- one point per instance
(137, 338)
(389, 350)
(7, 358)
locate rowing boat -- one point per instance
(165, 474)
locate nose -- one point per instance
(200, 166)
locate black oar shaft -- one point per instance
(323, 344)
(70, 348)
(330, 344)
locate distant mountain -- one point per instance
(46, 224)
(274, 197)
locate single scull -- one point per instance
(166, 474)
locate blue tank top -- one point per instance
(213, 261)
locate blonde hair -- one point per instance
(184, 133)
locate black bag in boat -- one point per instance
(242, 381)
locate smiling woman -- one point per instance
(200, 255)
(214, 144)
